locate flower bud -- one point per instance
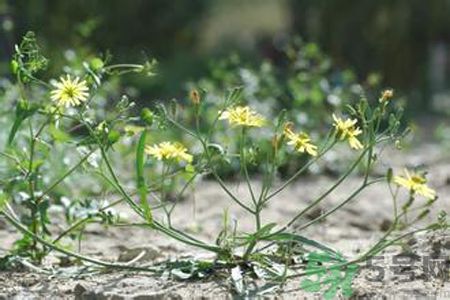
(194, 95)
(113, 137)
(386, 95)
(288, 127)
(147, 116)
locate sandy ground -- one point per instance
(351, 230)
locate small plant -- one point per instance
(65, 116)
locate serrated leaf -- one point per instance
(330, 278)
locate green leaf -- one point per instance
(3, 201)
(331, 292)
(265, 229)
(189, 168)
(141, 186)
(290, 237)
(23, 111)
(346, 284)
(311, 286)
(58, 135)
(329, 278)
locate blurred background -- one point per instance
(404, 44)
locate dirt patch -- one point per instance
(350, 230)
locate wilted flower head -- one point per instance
(416, 184)
(301, 141)
(242, 116)
(347, 130)
(386, 95)
(69, 92)
(169, 151)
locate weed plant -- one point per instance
(59, 120)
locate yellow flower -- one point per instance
(386, 95)
(416, 184)
(242, 116)
(168, 151)
(301, 141)
(348, 130)
(69, 92)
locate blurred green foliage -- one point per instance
(392, 38)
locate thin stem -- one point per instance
(329, 191)
(183, 189)
(35, 237)
(67, 174)
(213, 171)
(337, 207)
(138, 210)
(298, 173)
(16, 161)
(244, 169)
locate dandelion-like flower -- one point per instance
(347, 130)
(301, 141)
(169, 151)
(242, 116)
(416, 184)
(69, 92)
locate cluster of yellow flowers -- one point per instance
(416, 184)
(70, 92)
(169, 151)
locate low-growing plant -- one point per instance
(64, 115)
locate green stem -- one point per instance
(298, 173)
(337, 207)
(213, 171)
(244, 169)
(35, 237)
(329, 191)
(67, 174)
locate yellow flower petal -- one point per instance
(416, 184)
(169, 151)
(300, 141)
(242, 116)
(69, 92)
(347, 130)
